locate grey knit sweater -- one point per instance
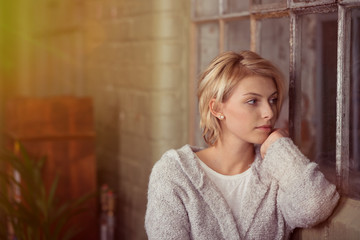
(286, 191)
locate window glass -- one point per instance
(274, 43)
(208, 49)
(274, 46)
(259, 2)
(318, 90)
(208, 44)
(206, 8)
(237, 35)
(233, 6)
(316, 67)
(354, 164)
(307, 1)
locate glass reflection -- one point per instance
(237, 35)
(235, 6)
(208, 45)
(318, 80)
(307, 1)
(206, 8)
(263, 2)
(354, 164)
(208, 48)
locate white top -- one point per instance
(285, 191)
(232, 187)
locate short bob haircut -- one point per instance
(221, 77)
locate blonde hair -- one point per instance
(219, 80)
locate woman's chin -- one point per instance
(260, 140)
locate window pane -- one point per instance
(311, 1)
(260, 2)
(208, 49)
(318, 80)
(237, 35)
(275, 42)
(354, 175)
(234, 6)
(206, 8)
(208, 45)
(274, 46)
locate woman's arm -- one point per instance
(305, 196)
(166, 216)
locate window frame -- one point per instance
(293, 10)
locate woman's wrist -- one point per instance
(272, 138)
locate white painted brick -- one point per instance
(169, 53)
(165, 127)
(118, 30)
(94, 10)
(139, 50)
(159, 147)
(135, 146)
(167, 102)
(167, 77)
(167, 25)
(143, 53)
(134, 101)
(133, 123)
(133, 172)
(166, 5)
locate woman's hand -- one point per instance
(275, 135)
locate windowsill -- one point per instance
(343, 224)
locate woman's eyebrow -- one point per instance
(259, 95)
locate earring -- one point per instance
(221, 117)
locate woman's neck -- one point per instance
(228, 159)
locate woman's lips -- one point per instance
(266, 128)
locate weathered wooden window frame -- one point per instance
(293, 10)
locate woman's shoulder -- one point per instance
(173, 163)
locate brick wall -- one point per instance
(132, 58)
(136, 69)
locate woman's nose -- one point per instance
(267, 111)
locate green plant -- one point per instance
(36, 214)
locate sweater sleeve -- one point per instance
(305, 197)
(166, 217)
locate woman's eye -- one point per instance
(252, 101)
(273, 100)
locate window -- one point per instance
(316, 45)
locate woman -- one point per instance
(252, 182)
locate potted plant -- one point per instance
(30, 211)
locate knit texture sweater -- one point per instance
(286, 191)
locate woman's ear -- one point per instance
(215, 109)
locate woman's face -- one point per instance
(250, 112)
